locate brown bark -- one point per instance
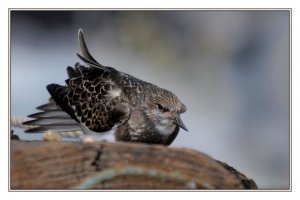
(66, 165)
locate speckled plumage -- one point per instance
(100, 98)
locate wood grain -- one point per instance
(67, 165)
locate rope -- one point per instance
(18, 123)
(110, 174)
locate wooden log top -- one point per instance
(42, 165)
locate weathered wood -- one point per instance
(66, 165)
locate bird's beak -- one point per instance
(179, 122)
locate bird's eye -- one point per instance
(161, 108)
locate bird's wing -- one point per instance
(92, 97)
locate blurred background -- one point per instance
(230, 68)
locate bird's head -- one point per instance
(164, 109)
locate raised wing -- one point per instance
(91, 97)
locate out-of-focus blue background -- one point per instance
(230, 68)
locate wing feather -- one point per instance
(55, 127)
(84, 49)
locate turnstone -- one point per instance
(98, 98)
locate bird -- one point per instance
(98, 99)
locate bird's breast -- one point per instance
(165, 130)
